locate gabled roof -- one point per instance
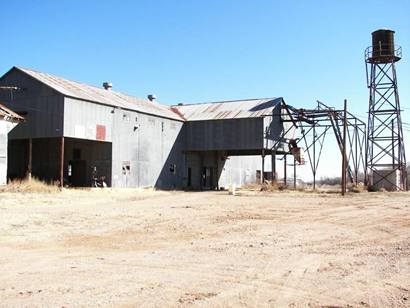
(90, 93)
(8, 115)
(248, 108)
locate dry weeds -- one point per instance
(29, 186)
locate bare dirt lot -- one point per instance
(142, 248)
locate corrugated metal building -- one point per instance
(133, 141)
(225, 142)
(8, 120)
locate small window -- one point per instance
(172, 168)
(126, 167)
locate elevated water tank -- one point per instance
(383, 50)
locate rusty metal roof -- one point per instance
(248, 108)
(99, 95)
(8, 115)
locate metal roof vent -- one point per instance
(107, 85)
(152, 97)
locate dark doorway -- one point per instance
(207, 178)
(189, 184)
(85, 158)
(78, 173)
(80, 157)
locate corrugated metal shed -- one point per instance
(249, 108)
(8, 119)
(99, 95)
(8, 115)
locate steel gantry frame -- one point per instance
(314, 125)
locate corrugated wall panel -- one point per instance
(81, 119)
(44, 107)
(5, 128)
(232, 134)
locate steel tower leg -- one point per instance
(385, 159)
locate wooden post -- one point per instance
(285, 180)
(62, 163)
(344, 160)
(263, 167)
(201, 170)
(294, 173)
(30, 158)
(273, 166)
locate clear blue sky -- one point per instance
(194, 51)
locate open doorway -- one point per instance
(84, 159)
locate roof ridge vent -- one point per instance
(152, 97)
(107, 85)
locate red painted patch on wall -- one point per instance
(100, 132)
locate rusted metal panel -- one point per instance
(100, 135)
(99, 95)
(250, 108)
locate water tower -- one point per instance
(385, 159)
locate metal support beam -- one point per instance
(285, 176)
(344, 157)
(314, 125)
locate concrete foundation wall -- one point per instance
(388, 179)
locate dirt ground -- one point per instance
(136, 248)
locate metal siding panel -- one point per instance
(233, 134)
(81, 119)
(3, 152)
(44, 107)
(149, 149)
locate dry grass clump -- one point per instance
(252, 186)
(29, 186)
(272, 186)
(358, 188)
(266, 186)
